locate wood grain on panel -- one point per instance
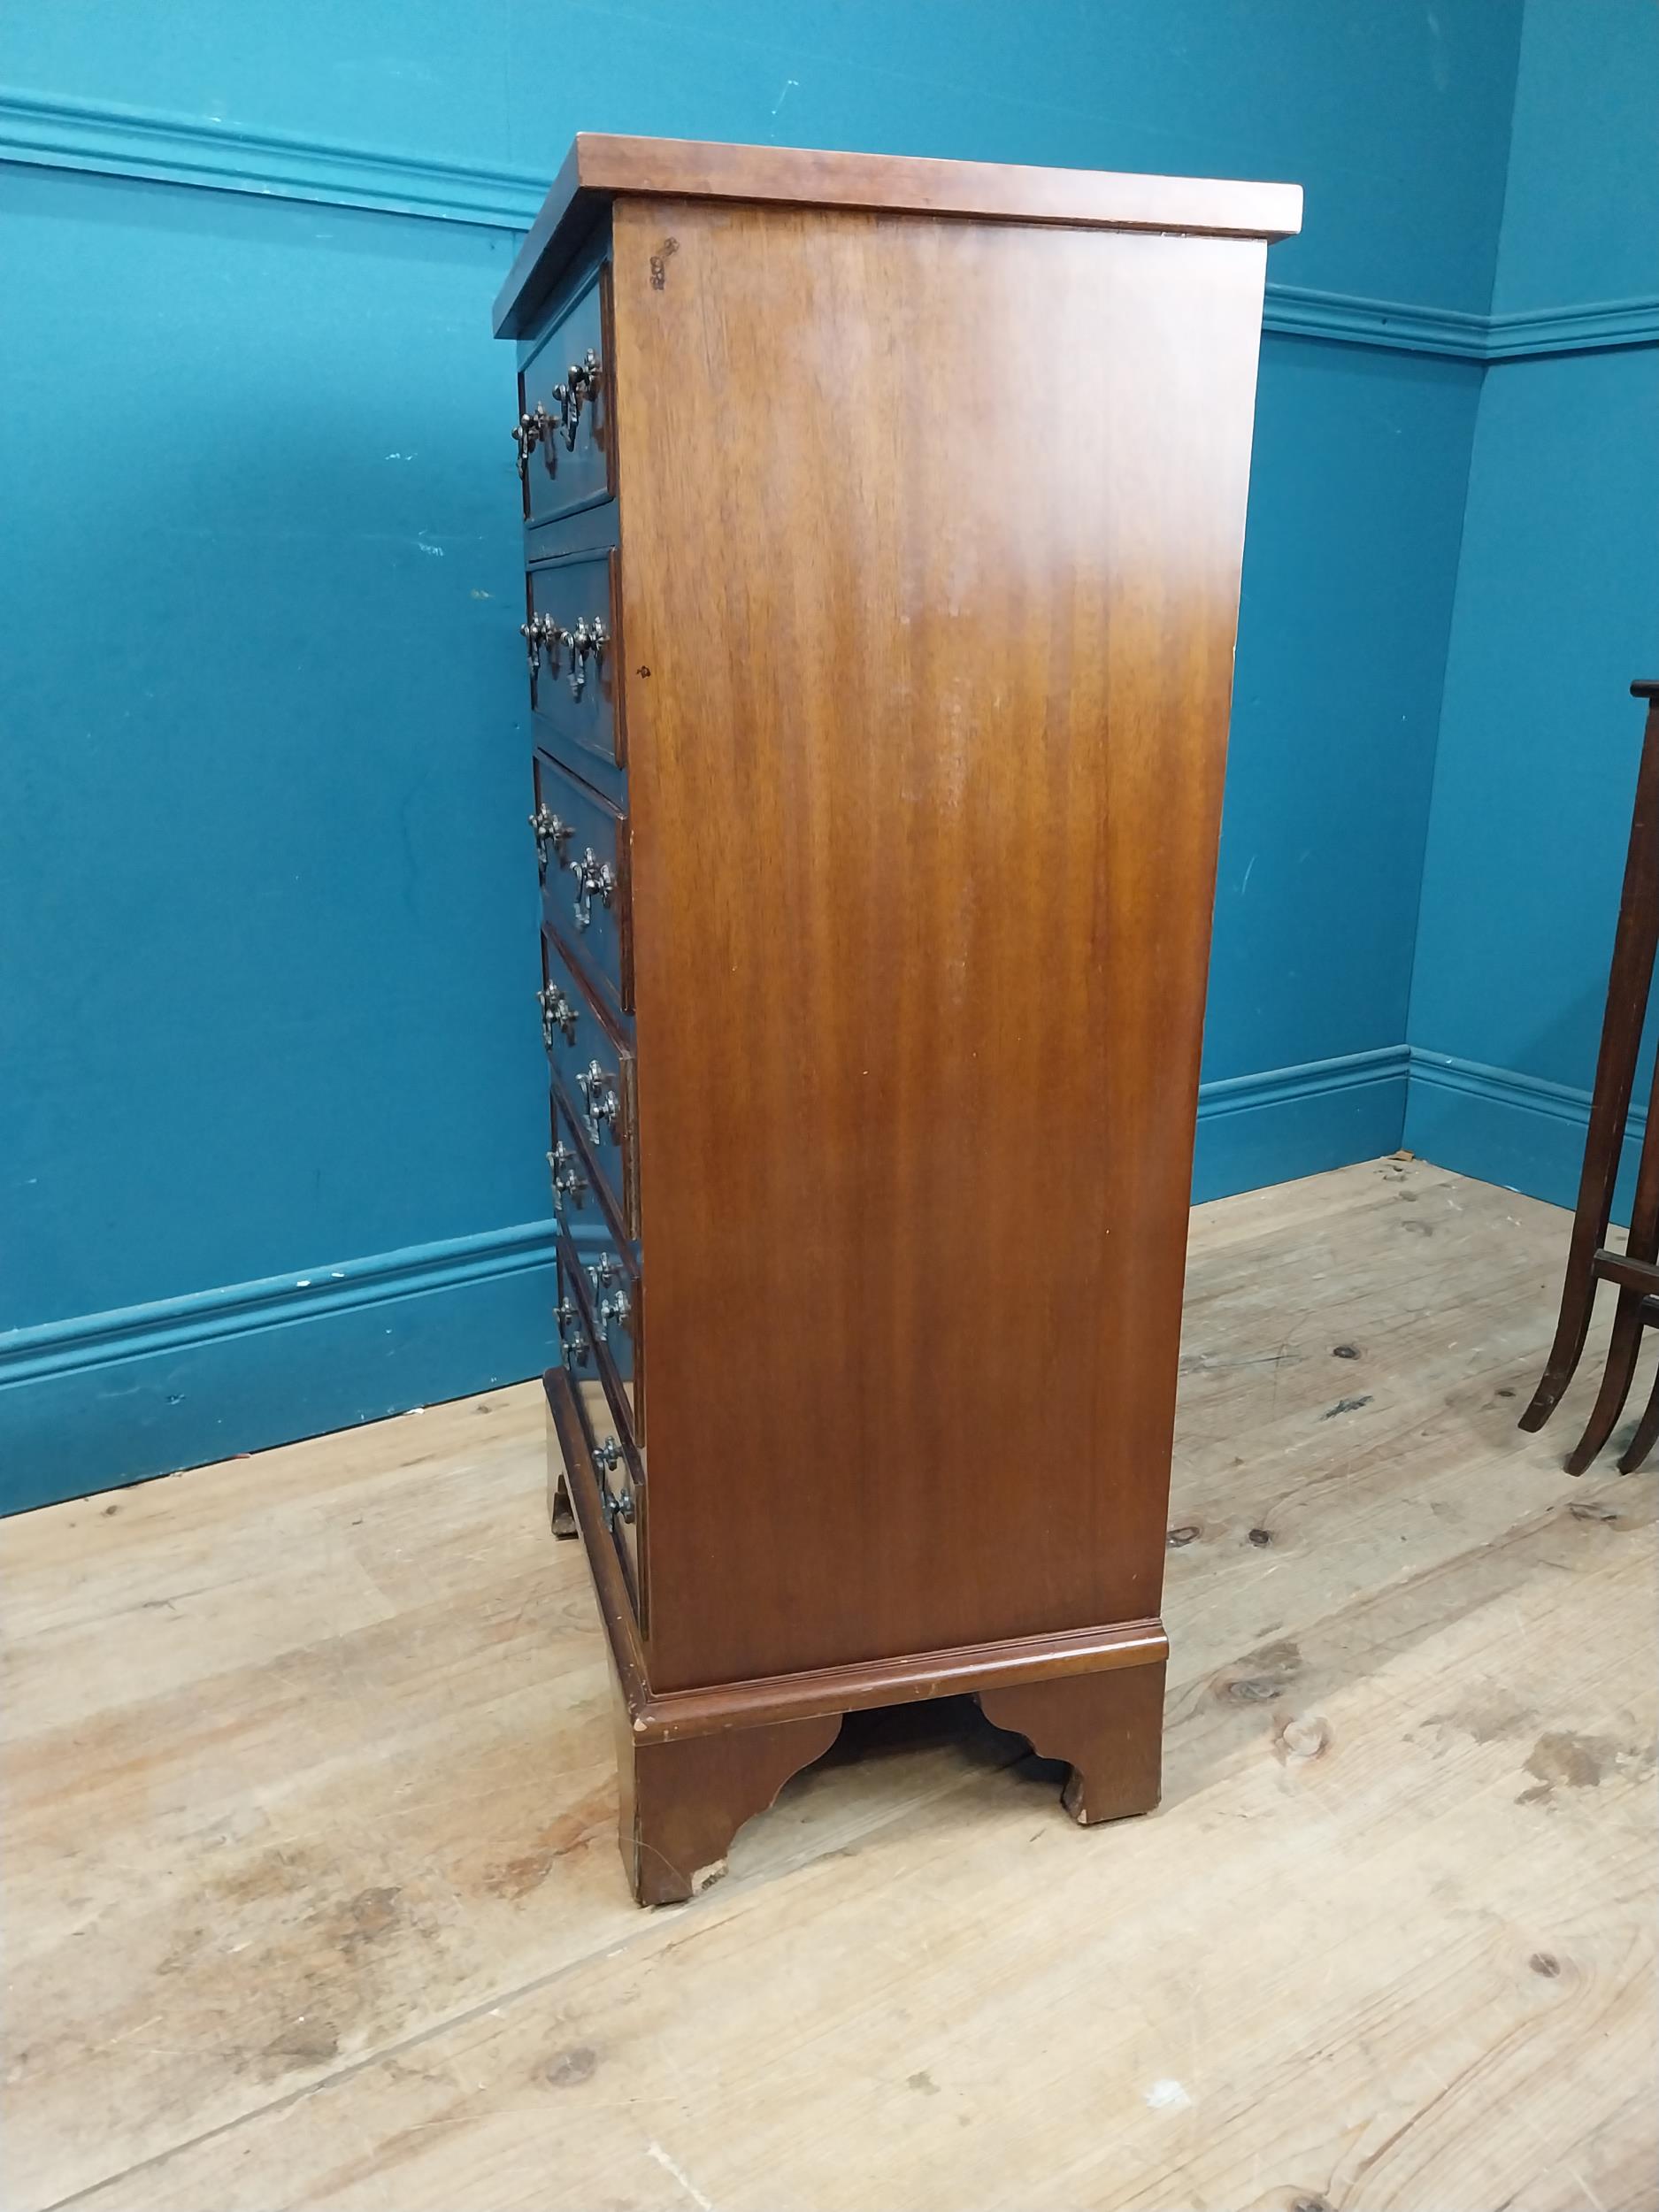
(931, 536)
(600, 165)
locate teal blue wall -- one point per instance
(268, 932)
(1392, 114)
(269, 1076)
(1582, 192)
(1557, 609)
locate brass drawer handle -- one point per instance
(586, 638)
(557, 1013)
(568, 1180)
(608, 1311)
(529, 432)
(550, 829)
(582, 381)
(543, 634)
(619, 1507)
(572, 1338)
(595, 879)
(600, 1101)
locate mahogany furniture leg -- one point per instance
(1109, 1726)
(559, 1510)
(1627, 990)
(683, 1801)
(1623, 1346)
(1647, 1428)
(1626, 1342)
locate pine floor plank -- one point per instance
(311, 1896)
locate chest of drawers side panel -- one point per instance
(931, 535)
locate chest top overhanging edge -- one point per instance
(601, 168)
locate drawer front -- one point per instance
(593, 1074)
(566, 447)
(581, 845)
(573, 608)
(617, 1471)
(584, 1205)
(606, 1276)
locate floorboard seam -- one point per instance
(743, 1886)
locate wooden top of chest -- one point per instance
(599, 167)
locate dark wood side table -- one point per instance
(1636, 1269)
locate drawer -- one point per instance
(593, 1074)
(618, 1474)
(607, 1277)
(581, 845)
(584, 1206)
(573, 608)
(566, 445)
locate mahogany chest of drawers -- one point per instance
(883, 521)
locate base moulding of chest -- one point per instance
(697, 1763)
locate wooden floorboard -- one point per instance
(311, 1894)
